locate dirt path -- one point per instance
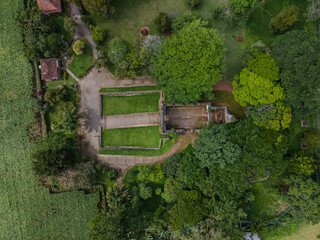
(126, 162)
(224, 85)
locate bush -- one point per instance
(69, 25)
(145, 191)
(217, 12)
(252, 53)
(78, 47)
(162, 22)
(194, 3)
(97, 33)
(285, 19)
(118, 51)
(184, 19)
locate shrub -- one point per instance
(285, 19)
(158, 191)
(69, 25)
(118, 51)
(162, 22)
(184, 19)
(78, 47)
(97, 33)
(145, 191)
(194, 3)
(252, 53)
(217, 12)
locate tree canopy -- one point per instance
(297, 53)
(190, 62)
(241, 6)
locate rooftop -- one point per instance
(49, 68)
(50, 6)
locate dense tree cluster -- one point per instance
(190, 62)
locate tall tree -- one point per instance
(190, 62)
(297, 53)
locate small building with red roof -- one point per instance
(50, 69)
(50, 6)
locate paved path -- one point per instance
(82, 30)
(131, 120)
(72, 75)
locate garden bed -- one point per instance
(113, 105)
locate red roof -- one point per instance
(50, 6)
(49, 68)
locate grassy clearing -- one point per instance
(129, 89)
(266, 204)
(113, 105)
(27, 210)
(70, 82)
(165, 148)
(258, 23)
(227, 98)
(148, 137)
(82, 63)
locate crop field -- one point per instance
(113, 105)
(27, 210)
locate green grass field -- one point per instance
(82, 63)
(148, 137)
(27, 210)
(70, 82)
(113, 105)
(129, 89)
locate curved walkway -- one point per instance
(125, 162)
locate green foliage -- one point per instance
(302, 165)
(252, 53)
(311, 138)
(66, 116)
(215, 147)
(145, 191)
(82, 63)
(273, 116)
(150, 173)
(188, 210)
(299, 61)
(98, 33)
(257, 84)
(162, 22)
(54, 154)
(186, 18)
(241, 6)
(69, 25)
(99, 7)
(78, 47)
(313, 10)
(304, 198)
(118, 51)
(193, 3)
(171, 189)
(284, 20)
(189, 62)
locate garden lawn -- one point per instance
(266, 203)
(113, 105)
(258, 23)
(82, 63)
(166, 145)
(130, 89)
(70, 82)
(148, 137)
(27, 210)
(225, 98)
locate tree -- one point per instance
(170, 166)
(193, 3)
(297, 53)
(285, 19)
(311, 138)
(241, 6)
(100, 7)
(186, 18)
(190, 62)
(171, 189)
(302, 165)
(66, 116)
(313, 12)
(257, 84)
(78, 47)
(189, 172)
(118, 51)
(69, 25)
(162, 22)
(145, 191)
(188, 210)
(275, 116)
(304, 198)
(98, 33)
(54, 154)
